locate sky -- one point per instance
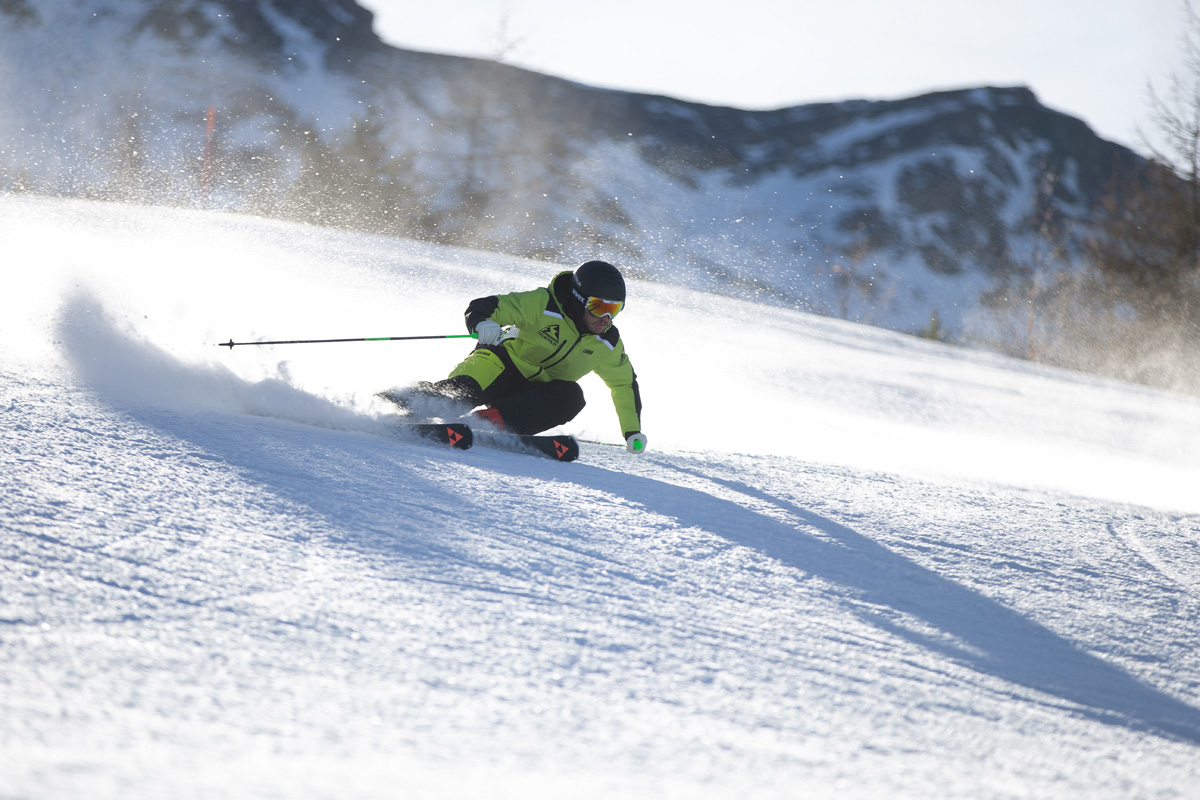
(1092, 59)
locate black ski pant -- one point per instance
(526, 406)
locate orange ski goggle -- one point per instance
(598, 307)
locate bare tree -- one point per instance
(1147, 252)
(1173, 209)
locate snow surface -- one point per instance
(853, 563)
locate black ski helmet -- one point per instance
(598, 279)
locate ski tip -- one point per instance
(560, 447)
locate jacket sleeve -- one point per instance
(515, 308)
(480, 309)
(618, 374)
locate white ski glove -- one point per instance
(636, 443)
(489, 333)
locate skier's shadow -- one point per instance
(995, 640)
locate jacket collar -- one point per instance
(561, 297)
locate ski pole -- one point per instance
(231, 343)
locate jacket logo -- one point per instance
(549, 333)
(589, 352)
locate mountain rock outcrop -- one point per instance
(883, 211)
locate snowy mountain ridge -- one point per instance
(882, 212)
(859, 565)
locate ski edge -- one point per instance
(559, 447)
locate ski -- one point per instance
(455, 434)
(560, 447)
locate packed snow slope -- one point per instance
(853, 563)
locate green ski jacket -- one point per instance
(551, 347)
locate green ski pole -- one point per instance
(232, 344)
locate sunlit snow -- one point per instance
(852, 564)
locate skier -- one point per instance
(533, 348)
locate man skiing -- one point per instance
(533, 348)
